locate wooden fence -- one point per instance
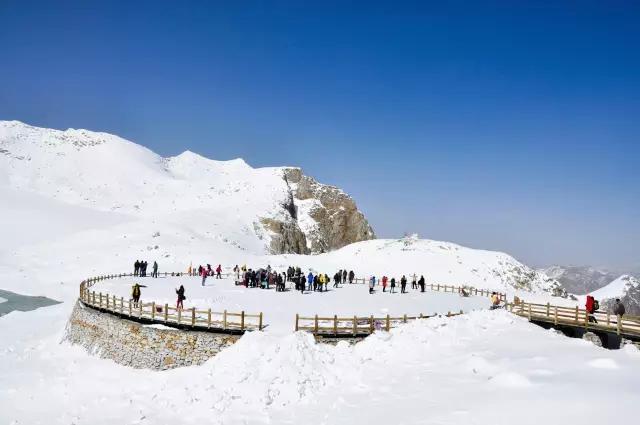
(577, 317)
(354, 326)
(152, 312)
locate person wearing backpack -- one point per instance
(592, 305)
(618, 308)
(181, 297)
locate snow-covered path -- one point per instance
(280, 308)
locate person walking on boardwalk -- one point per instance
(591, 306)
(135, 294)
(155, 269)
(181, 297)
(403, 284)
(393, 285)
(618, 308)
(421, 283)
(219, 272)
(136, 268)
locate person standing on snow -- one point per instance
(351, 276)
(155, 269)
(384, 283)
(344, 276)
(393, 285)
(219, 271)
(310, 279)
(495, 301)
(135, 294)
(236, 270)
(181, 298)
(421, 283)
(403, 285)
(372, 284)
(414, 282)
(136, 268)
(204, 275)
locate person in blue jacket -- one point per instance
(310, 281)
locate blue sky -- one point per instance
(494, 125)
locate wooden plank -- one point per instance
(387, 323)
(297, 324)
(224, 320)
(260, 322)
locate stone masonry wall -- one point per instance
(141, 346)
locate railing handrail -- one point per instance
(160, 313)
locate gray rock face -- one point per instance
(580, 280)
(335, 218)
(133, 344)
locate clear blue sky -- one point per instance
(495, 125)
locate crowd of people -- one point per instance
(140, 269)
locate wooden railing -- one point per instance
(354, 326)
(577, 317)
(152, 312)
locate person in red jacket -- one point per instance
(218, 271)
(591, 307)
(384, 283)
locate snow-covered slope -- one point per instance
(440, 262)
(103, 172)
(626, 288)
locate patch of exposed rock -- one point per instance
(328, 217)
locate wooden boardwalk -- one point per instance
(152, 312)
(626, 326)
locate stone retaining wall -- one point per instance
(141, 346)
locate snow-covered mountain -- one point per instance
(262, 210)
(580, 279)
(626, 288)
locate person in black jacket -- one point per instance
(393, 285)
(351, 276)
(618, 308)
(136, 268)
(403, 284)
(344, 276)
(421, 283)
(181, 297)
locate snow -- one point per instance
(484, 367)
(80, 204)
(616, 289)
(3, 300)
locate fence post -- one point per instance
(107, 297)
(94, 298)
(153, 310)
(166, 313)
(608, 318)
(448, 314)
(193, 316)
(140, 309)
(355, 325)
(576, 320)
(297, 318)
(179, 315)
(404, 318)
(438, 287)
(260, 322)
(100, 299)
(129, 308)
(371, 324)
(548, 309)
(619, 325)
(555, 315)
(208, 318)
(224, 320)
(315, 324)
(121, 304)
(335, 324)
(242, 320)
(388, 323)
(529, 311)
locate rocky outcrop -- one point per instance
(286, 236)
(141, 346)
(327, 216)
